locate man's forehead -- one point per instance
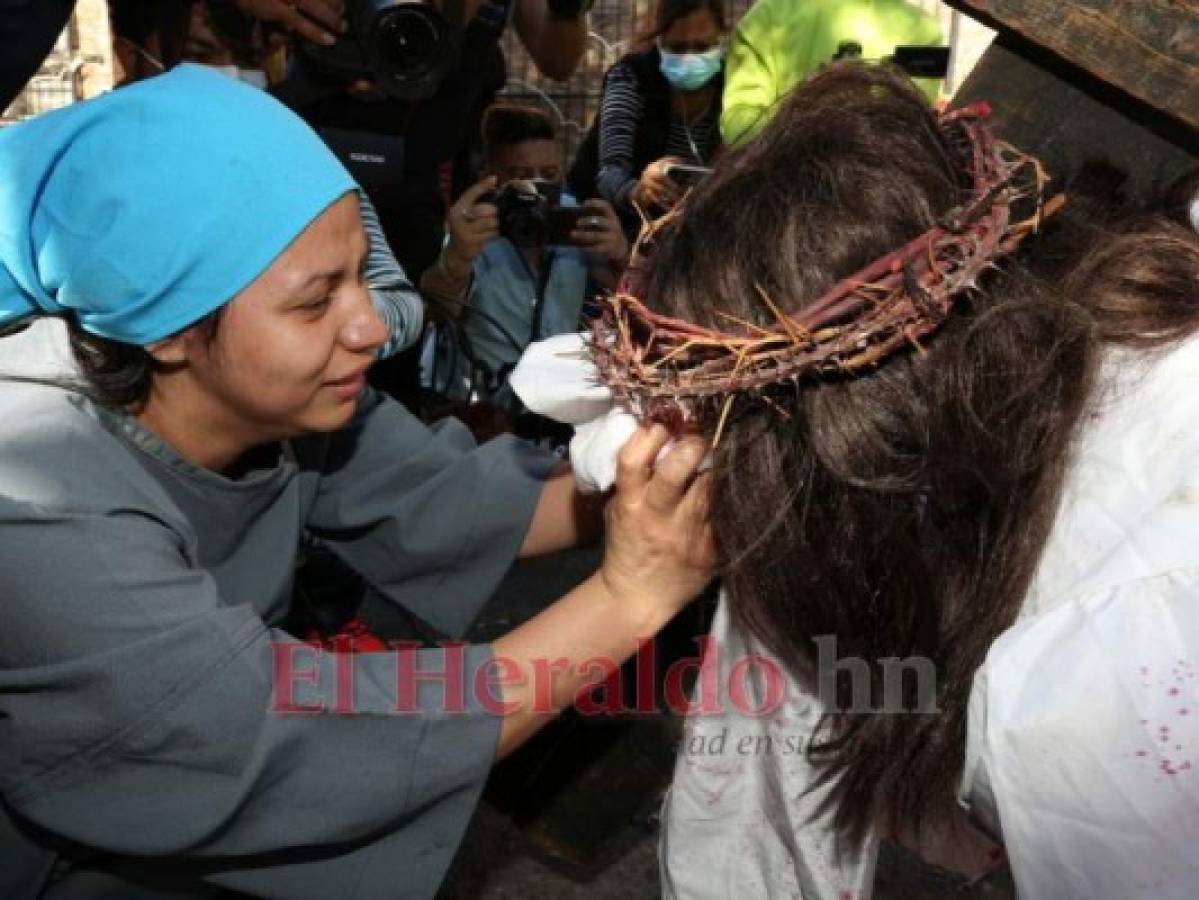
(530, 153)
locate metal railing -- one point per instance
(615, 25)
(53, 87)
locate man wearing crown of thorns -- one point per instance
(955, 494)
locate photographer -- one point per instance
(406, 102)
(553, 31)
(516, 268)
(408, 107)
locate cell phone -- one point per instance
(686, 175)
(923, 62)
(565, 219)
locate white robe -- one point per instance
(1082, 753)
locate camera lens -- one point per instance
(523, 213)
(409, 39)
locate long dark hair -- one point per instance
(667, 12)
(904, 511)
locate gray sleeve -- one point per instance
(396, 301)
(141, 717)
(430, 520)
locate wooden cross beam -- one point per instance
(1147, 48)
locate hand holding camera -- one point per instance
(599, 235)
(527, 214)
(473, 221)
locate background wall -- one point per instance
(80, 65)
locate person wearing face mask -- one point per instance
(506, 287)
(660, 108)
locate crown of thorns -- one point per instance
(665, 367)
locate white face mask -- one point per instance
(691, 71)
(255, 77)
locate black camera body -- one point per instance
(405, 47)
(930, 61)
(525, 211)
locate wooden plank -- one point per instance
(1147, 48)
(1072, 120)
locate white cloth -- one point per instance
(1083, 739)
(739, 819)
(1083, 733)
(556, 378)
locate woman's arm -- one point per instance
(657, 557)
(447, 279)
(177, 725)
(621, 111)
(564, 516)
(394, 298)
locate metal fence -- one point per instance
(53, 87)
(614, 27)
(47, 92)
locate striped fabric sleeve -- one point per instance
(621, 110)
(396, 300)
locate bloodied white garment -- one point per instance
(1082, 754)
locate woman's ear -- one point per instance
(170, 352)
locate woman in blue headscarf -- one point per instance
(158, 732)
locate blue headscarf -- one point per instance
(146, 209)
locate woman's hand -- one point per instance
(659, 548)
(601, 235)
(656, 189)
(657, 557)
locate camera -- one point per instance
(923, 62)
(916, 61)
(529, 213)
(405, 47)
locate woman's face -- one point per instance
(292, 349)
(696, 32)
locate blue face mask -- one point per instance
(691, 71)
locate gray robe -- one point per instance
(137, 592)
